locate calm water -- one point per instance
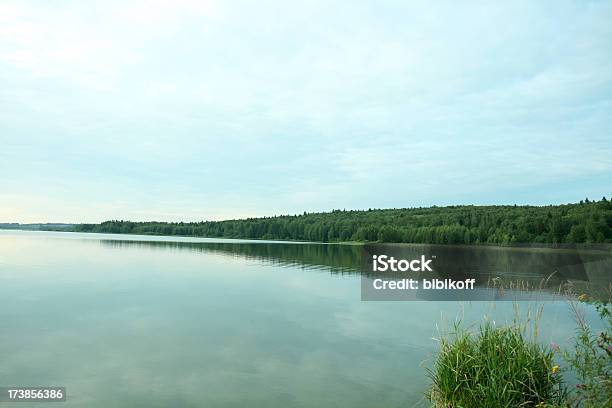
(156, 322)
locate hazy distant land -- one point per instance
(38, 226)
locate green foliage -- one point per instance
(571, 223)
(591, 359)
(499, 367)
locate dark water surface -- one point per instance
(164, 321)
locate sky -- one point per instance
(205, 110)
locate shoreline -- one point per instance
(595, 247)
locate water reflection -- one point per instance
(335, 258)
(220, 324)
(581, 269)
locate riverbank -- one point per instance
(585, 222)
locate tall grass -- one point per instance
(495, 367)
(508, 367)
(591, 357)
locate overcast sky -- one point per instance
(191, 110)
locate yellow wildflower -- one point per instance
(555, 369)
(582, 297)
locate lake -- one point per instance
(138, 321)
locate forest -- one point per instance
(584, 222)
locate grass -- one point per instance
(496, 367)
(591, 357)
(508, 367)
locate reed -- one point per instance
(494, 367)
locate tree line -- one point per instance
(584, 222)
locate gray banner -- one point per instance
(469, 273)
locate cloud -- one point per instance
(270, 107)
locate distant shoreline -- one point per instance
(584, 222)
(605, 247)
(558, 226)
